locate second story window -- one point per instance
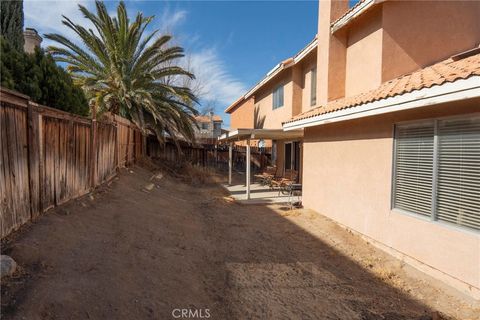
(278, 97)
(313, 87)
(204, 126)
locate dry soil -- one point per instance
(136, 251)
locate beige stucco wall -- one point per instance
(347, 176)
(331, 52)
(264, 101)
(242, 115)
(364, 54)
(419, 33)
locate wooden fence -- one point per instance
(209, 155)
(48, 156)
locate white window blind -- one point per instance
(458, 188)
(278, 97)
(414, 168)
(437, 170)
(313, 87)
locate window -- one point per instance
(313, 87)
(204, 125)
(217, 125)
(437, 170)
(278, 97)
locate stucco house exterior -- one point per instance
(392, 148)
(391, 141)
(286, 91)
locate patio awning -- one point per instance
(248, 134)
(270, 134)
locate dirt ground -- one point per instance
(132, 253)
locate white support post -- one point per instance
(230, 163)
(248, 170)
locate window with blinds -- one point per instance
(437, 170)
(414, 168)
(313, 87)
(278, 97)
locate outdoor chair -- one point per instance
(266, 176)
(294, 190)
(282, 183)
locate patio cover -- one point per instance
(247, 135)
(269, 134)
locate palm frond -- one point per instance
(125, 71)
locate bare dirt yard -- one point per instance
(147, 249)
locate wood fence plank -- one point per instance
(4, 169)
(33, 161)
(48, 156)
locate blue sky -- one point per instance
(230, 44)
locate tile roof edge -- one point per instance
(313, 112)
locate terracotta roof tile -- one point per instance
(437, 74)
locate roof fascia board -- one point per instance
(272, 74)
(280, 67)
(354, 13)
(302, 54)
(453, 91)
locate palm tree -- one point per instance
(128, 73)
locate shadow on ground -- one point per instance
(132, 253)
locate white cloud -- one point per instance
(169, 19)
(46, 16)
(216, 83)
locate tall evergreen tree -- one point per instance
(11, 22)
(38, 76)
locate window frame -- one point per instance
(433, 214)
(313, 88)
(275, 89)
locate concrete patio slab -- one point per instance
(258, 194)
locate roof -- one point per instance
(354, 12)
(285, 64)
(270, 134)
(446, 71)
(234, 104)
(207, 118)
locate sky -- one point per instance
(230, 45)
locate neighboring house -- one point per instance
(392, 148)
(32, 40)
(286, 91)
(209, 128)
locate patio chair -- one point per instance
(282, 183)
(266, 176)
(294, 190)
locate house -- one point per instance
(392, 148)
(286, 91)
(209, 128)
(32, 40)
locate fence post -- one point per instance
(93, 147)
(144, 145)
(115, 156)
(127, 153)
(33, 160)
